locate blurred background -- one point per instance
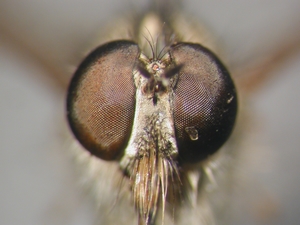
(38, 184)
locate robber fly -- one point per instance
(184, 187)
(159, 105)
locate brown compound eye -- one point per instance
(101, 99)
(205, 102)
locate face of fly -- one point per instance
(46, 93)
(157, 104)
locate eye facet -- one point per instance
(101, 99)
(205, 102)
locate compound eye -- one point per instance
(205, 102)
(101, 99)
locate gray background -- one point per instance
(37, 181)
